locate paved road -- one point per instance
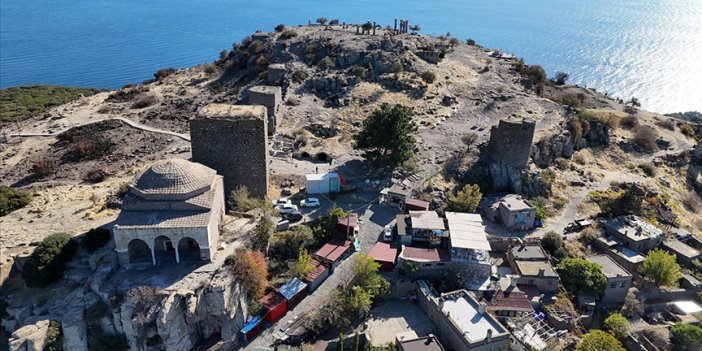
(125, 120)
(373, 218)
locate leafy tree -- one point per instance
(262, 233)
(328, 224)
(251, 269)
(287, 244)
(366, 275)
(387, 137)
(302, 266)
(553, 243)
(633, 305)
(686, 337)
(582, 276)
(334, 22)
(453, 42)
(561, 78)
(617, 325)
(49, 260)
(428, 77)
(11, 199)
(661, 268)
(415, 28)
(597, 340)
(466, 200)
(322, 20)
(241, 200)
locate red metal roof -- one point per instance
(511, 300)
(318, 270)
(271, 301)
(334, 249)
(416, 203)
(383, 252)
(426, 254)
(351, 221)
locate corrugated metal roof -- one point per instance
(318, 270)
(383, 252)
(334, 249)
(426, 220)
(271, 301)
(292, 288)
(425, 254)
(467, 231)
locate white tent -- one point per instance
(323, 183)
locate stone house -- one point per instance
(171, 213)
(618, 279)
(684, 253)
(634, 232)
(515, 212)
(531, 263)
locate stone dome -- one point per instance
(173, 179)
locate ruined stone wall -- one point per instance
(236, 148)
(269, 97)
(510, 143)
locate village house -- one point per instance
(427, 260)
(397, 196)
(469, 246)
(684, 253)
(404, 342)
(385, 255)
(420, 226)
(634, 232)
(171, 213)
(462, 322)
(513, 211)
(618, 279)
(629, 259)
(532, 266)
(510, 302)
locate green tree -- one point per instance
(322, 20)
(302, 266)
(11, 199)
(262, 234)
(553, 244)
(661, 268)
(453, 42)
(686, 337)
(415, 28)
(582, 276)
(428, 77)
(366, 275)
(617, 325)
(387, 137)
(49, 260)
(561, 78)
(597, 340)
(466, 200)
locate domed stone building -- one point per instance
(171, 213)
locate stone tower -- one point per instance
(232, 139)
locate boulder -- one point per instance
(30, 337)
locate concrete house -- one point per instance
(618, 279)
(684, 253)
(515, 212)
(461, 321)
(634, 232)
(420, 226)
(531, 264)
(469, 246)
(171, 213)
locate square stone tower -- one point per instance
(270, 97)
(232, 139)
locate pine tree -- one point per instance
(387, 137)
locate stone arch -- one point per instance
(164, 250)
(304, 154)
(323, 156)
(189, 249)
(139, 251)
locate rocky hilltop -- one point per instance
(74, 159)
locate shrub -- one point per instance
(279, 28)
(302, 266)
(597, 340)
(630, 122)
(100, 341)
(358, 71)
(104, 109)
(470, 42)
(617, 325)
(210, 69)
(686, 337)
(288, 34)
(251, 269)
(469, 139)
(96, 238)
(88, 146)
(334, 22)
(321, 20)
(428, 77)
(241, 200)
(466, 200)
(255, 47)
(645, 137)
(299, 75)
(687, 130)
(49, 260)
(95, 175)
(11, 199)
(325, 63)
(582, 276)
(44, 168)
(396, 67)
(262, 233)
(561, 78)
(648, 168)
(144, 101)
(163, 73)
(667, 124)
(553, 244)
(54, 337)
(692, 202)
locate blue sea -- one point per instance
(648, 49)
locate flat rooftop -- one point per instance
(515, 203)
(610, 268)
(681, 248)
(628, 254)
(533, 268)
(429, 220)
(467, 231)
(265, 89)
(633, 227)
(532, 252)
(427, 343)
(240, 112)
(321, 176)
(462, 310)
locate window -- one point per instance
(622, 285)
(427, 265)
(440, 264)
(613, 285)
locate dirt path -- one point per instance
(125, 120)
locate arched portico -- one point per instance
(164, 250)
(139, 252)
(188, 250)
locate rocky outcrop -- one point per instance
(31, 337)
(546, 150)
(694, 171)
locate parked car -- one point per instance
(287, 208)
(294, 216)
(387, 233)
(281, 201)
(310, 202)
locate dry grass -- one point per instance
(692, 202)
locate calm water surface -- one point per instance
(643, 48)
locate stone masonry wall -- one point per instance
(270, 97)
(510, 143)
(236, 148)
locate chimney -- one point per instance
(513, 282)
(542, 271)
(481, 308)
(489, 335)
